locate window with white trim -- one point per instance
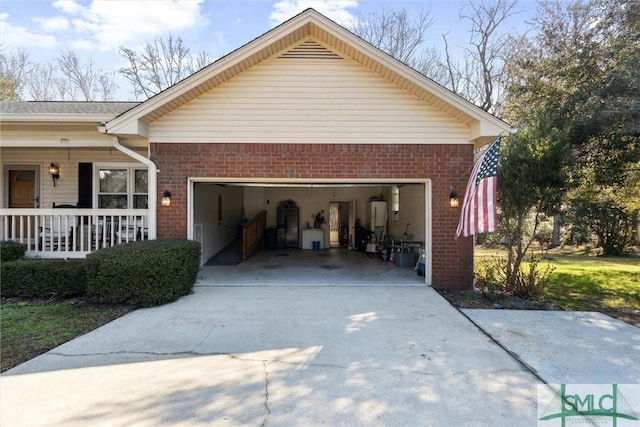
(121, 187)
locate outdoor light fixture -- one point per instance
(166, 198)
(54, 171)
(453, 198)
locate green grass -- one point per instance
(30, 328)
(591, 283)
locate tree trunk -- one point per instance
(555, 236)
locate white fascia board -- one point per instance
(133, 126)
(489, 129)
(53, 140)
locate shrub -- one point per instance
(43, 278)
(490, 278)
(528, 281)
(144, 273)
(11, 251)
(531, 279)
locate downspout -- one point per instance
(152, 196)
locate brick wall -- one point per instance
(443, 164)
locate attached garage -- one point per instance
(310, 113)
(220, 208)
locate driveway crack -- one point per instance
(266, 393)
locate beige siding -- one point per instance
(66, 189)
(308, 101)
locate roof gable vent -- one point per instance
(310, 49)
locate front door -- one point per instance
(22, 192)
(22, 188)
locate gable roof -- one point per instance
(308, 24)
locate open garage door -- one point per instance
(335, 215)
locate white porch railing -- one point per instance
(72, 233)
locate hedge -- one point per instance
(40, 278)
(144, 273)
(11, 251)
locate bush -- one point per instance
(144, 273)
(11, 251)
(527, 282)
(490, 278)
(43, 278)
(530, 281)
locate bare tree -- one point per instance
(105, 86)
(80, 75)
(14, 68)
(41, 84)
(160, 65)
(430, 63)
(481, 75)
(394, 32)
(201, 60)
(94, 84)
(65, 90)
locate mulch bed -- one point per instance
(472, 299)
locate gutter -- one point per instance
(152, 195)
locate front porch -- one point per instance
(73, 232)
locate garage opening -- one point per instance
(374, 221)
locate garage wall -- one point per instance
(312, 200)
(254, 201)
(217, 232)
(412, 206)
(452, 264)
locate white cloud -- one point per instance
(110, 24)
(67, 6)
(52, 25)
(333, 9)
(16, 37)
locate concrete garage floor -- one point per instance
(294, 267)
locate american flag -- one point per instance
(479, 206)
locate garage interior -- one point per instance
(334, 221)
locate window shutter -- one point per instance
(85, 185)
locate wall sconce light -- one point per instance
(166, 198)
(54, 171)
(453, 198)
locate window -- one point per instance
(122, 187)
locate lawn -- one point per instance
(30, 328)
(591, 283)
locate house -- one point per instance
(307, 112)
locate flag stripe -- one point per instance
(479, 208)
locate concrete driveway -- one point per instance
(278, 356)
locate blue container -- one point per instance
(316, 245)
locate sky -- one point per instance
(95, 29)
